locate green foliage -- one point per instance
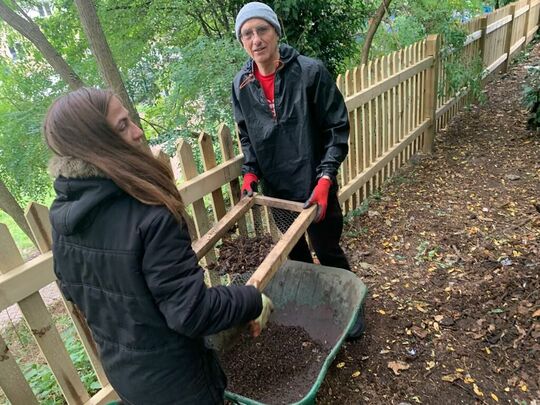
(23, 155)
(463, 73)
(324, 29)
(197, 98)
(531, 97)
(22, 241)
(411, 21)
(408, 22)
(201, 90)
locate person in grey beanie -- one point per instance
(294, 129)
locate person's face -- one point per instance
(118, 119)
(260, 39)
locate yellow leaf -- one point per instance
(355, 374)
(449, 377)
(397, 366)
(495, 398)
(381, 311)
(523, 387)
(487, 350)
(477, 390)
(507, 389)
(460, 370)
(468, 380)
(430, 365)
(421, 309)
(340, 365)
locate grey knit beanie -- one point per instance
(256, 10)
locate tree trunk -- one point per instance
(102, 52)
(375, 22)
(9, 205)
(30, 30)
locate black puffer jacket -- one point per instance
(307, 139)
(130, 268)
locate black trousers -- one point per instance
(324, 237)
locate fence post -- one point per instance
(209, 162)
(200, 215)
(40, 322)
(482, 42)
(227, 151)
(508, 43)
(433, 45)
(526, 28)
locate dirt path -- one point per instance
(451, 255)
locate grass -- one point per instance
(22, 241)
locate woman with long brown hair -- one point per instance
(123, 256)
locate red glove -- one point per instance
(319, 196)
(249, 186)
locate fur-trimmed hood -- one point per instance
(73, 168)
(81, 189)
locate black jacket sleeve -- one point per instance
(250, 164)
(176, 282)
(331, 112)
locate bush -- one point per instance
(531, 97)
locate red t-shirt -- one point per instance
(267, 83)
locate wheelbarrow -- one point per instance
(325, 301)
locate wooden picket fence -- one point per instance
(396, 104)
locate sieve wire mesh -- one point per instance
(245, 246)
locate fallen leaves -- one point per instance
(398, 366)
(430, 365)
(477, 390)
(450, 377)
(419, 332)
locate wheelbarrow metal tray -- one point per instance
(325, 301)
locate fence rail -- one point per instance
(396, 103)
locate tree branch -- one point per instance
(372, 30)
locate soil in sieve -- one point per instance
(242, 254)
(278, 367)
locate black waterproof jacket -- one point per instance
(307, 138)
(130, 268)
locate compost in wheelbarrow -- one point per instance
(317, 305)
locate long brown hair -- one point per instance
(76, 126)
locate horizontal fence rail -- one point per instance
(396, 104)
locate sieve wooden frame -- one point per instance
(277, 256)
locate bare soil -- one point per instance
(241, 254)
(278, 367)
(450, 252)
